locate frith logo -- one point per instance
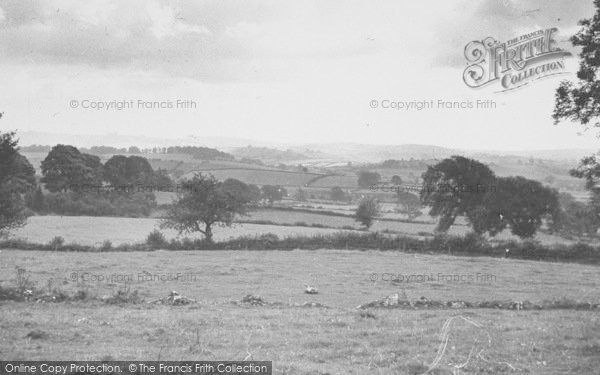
(514, 63)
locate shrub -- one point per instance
(22, 280)
(470, 244)
(156, 239)
(123, 295)
(269, 240)
(56, 243)
(106, 246)
(582, 251)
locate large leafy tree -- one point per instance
(366, 179)
(121, 170)
(241, 191)
(17, 176)
(580, 101)
(204, 202)
(517, 203)
(65, 168)
(115, 171)
(455, 186)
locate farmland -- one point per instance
(337, 338)
(93, 231)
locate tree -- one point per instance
(95, 168)
(581, 101)
(241, 191)
(396, 180)
(115, 171)
(337, 194)
(23, 173)
(273, 193)
(300, 195)
(139, 170)
(122, 170)
(17, 176)
(205, 202)
(133, 150)
(65, 168)
(254, 193)
(410, 202)
(589, 170)
(575, 218)
(366, 179)
(161, 178)
(452, 188)
(518, 203)
(368, 209)
(36, 201)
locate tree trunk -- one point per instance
(208, 233)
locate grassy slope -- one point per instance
(305, 340)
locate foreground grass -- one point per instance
(304, 340)
(344, 278)
(300, 340)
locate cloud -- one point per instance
(207, 40)
(227, 40)
(506, 19)
(214, 40)
(140, 35)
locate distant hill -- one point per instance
(376, 153)
(267, 155)
(272, 152)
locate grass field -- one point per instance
(259, 176)
(338, 339)
(87, 230)
(93, 231)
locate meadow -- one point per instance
(329, 336)
(93, 231)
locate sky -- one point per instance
(278, 71)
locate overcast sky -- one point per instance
(282, 71)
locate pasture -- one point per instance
(93, 231)
(337, 338)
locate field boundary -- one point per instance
(468, 245)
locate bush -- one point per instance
(367, 210)
(156, 239)
(22, 280)
(470, 244)
(56, 243)
(123, 295)
(106, 246)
